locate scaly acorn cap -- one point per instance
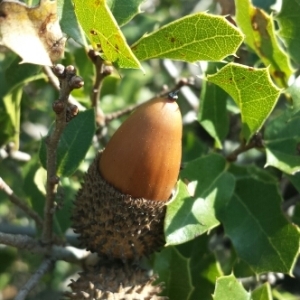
(142, 159)
(114, 224)
(115, 282)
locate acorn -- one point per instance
(115, 282)
(119, 210)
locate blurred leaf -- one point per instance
(208, 37)
(252, 90)
(295, 180)
(32, 32)
(283, 295)
(253, 220)
(7, 128)
(17, 74)
(228, 288)
(68, 21)
(173, 269)
(13, 77)
(192, 212)
(263, 292)
(124, 11)
(259, 31)
(73, 144)
(289, 27)
(8, 255)
(213, 113)
(282, 142)
(12, 103)
(294, 91)
(36, 197)
(102, 29)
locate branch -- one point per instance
(255, 142)
(64, 112)
(23, 242)
(102, 70)
(20, 203)
(46, 265)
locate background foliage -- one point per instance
(232, 230)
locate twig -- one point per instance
(255, 142)
(46, 265)
(55, 83)
(20, 203)
(68, 81)
(23, 242)
(109, 117)
(102, 70)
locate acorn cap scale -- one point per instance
(113, 224)
(115, 282)
(143, 157)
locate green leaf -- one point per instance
(259, 30)
(282, 140)
(102, 29)
(68, 21)
(12, 102)
(252, 90)
(203, 266)
(260, 233)
(289, 27)
(192, 212)
(73, 144)
(36, 197)
(173, 269)
(124, 11)
(192, 38)
(228, 288)
(213, 114)
(12, 80)
(294, 91)
(262, 293)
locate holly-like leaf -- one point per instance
(124, 11)
(192, 38)
(260, 234)
(289, 27)
(203, 267)
(173, 269)
(252, 90)
(228, 288)
(192, 212)
(73, 144)
(259, 30)
(282, 142)
(104, 33)
(32, 32)
(263, 292)
(213, 114)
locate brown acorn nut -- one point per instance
(116, 212)
(142, 159)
